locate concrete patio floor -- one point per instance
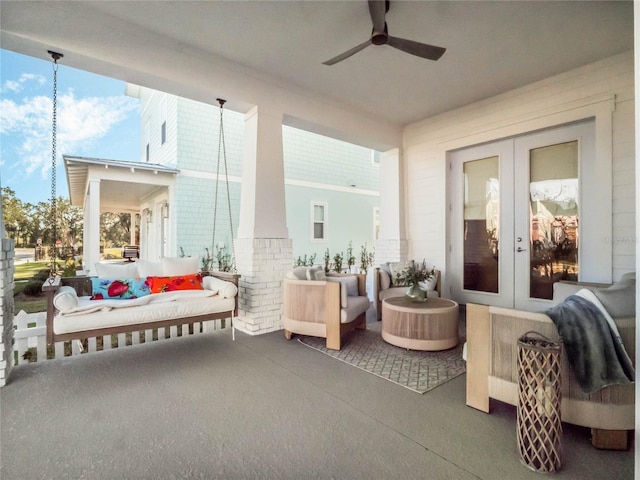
(260, 407)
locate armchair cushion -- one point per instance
(316, 273)
(385, 279)
(620, 298)
(348, 287)
(356, 306)
(298, 273)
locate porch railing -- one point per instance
(30, 338)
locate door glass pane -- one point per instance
(553, 209)
(481, 224)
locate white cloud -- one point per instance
(80, 124)
(16, 86)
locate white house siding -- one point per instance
(317, 168)
(553, 101)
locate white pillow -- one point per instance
(172, 266)
(431, 283)
(149, 269)
(66, 299)
(320, 275)
(385, 279)
(225, 289)
(316, 273)
(348, 287)
(117, 270)
(298, 273)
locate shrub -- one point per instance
(41, 276)
(33, 287)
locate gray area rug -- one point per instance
(416, 370)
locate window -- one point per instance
(163, 121)
(147, 139)
(318, 221)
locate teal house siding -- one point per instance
(195, 215)
(317, 169)
(349, 218)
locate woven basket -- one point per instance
(539, 427)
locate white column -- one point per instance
(132, 231)
(263, 250)
(91, 235)
(262, 207)
(391, 245)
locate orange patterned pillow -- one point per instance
(170, 284)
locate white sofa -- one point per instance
(73, 314)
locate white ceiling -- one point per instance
(492, 47)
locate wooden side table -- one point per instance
(430, 325)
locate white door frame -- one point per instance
(513, 285)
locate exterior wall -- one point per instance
(151, 122)
(317, 168)
(349, 218)
(564, 98)
(321, 169)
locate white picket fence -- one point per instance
(30, 338)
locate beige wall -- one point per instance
(603, 90)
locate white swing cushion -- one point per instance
(117, 270)
(66, 299)
(173, 266)
(225, 289)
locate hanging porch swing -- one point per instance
(53, 213)
(226, 263)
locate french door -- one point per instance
(515, 217)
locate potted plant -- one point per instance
(351, 259)
(337, 262)
(412, 275)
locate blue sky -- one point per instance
(94, 119)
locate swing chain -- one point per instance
(54, 137)
(221, 145)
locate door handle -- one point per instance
(520, 249)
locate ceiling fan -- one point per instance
(380, 36)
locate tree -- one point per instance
(115, 229)
(13, 214)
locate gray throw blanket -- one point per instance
(595, 355)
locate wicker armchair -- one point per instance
(321, 308)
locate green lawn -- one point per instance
(23, 273)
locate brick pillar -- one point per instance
(391, 250)
(262, 263)
(6, 308)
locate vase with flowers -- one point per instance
(413, 275)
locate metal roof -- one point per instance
(123, 184)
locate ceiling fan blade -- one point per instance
(377, 9)
(348, 53)
(430, 52)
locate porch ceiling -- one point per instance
(492, 47)
(121, 190)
